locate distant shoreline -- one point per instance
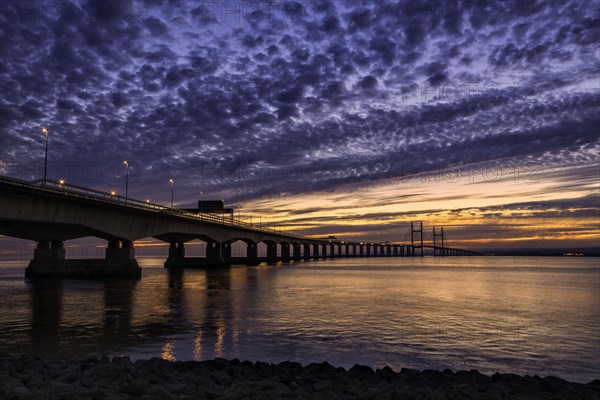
(54, 377)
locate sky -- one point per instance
(346, 118)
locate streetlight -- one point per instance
(126, 178)
(172, 188)
(45, 132)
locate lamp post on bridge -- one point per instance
(172, 189)
(45, 132)
(126, 178)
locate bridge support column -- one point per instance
(323, 252)
(252, 254)
(315, 251)
(125, 252)
(285, 252)
(46, 250)
(297, 252)
(176, 254)
(388, 250)
(218, 254)
(272, 253)
(306, 254)
(49, 260)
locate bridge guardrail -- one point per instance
(52, 186)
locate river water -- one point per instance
(521, 315)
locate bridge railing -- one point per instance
(71, 190)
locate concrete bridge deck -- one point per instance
(51, 212)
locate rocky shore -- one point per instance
(119, 378)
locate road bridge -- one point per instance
(51, 212)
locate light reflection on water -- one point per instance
(535, 316)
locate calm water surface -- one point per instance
(527, 316)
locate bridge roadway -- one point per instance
(49, 213)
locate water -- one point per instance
(526, 316)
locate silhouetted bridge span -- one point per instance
(51, 212)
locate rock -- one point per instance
(21, 392)
(221, 378)
(386, 373)
(322, 386)
(60, 389)
(159, 391)
(361, 370)
(402, 394)
(121, 361)
(438, 394)
(157, 379)
(8, 384)
(289, 366)
(137, 387)
(491, 394)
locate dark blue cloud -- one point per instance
(349, 89)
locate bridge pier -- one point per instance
(315, 251)
(252, 254)
(49, 250)
(306, 249)
(323, 251)
(297, 252)
(217, 254)
(49, 261)
(223, 256)
(272, 253)
(176, 251)
(285, 252)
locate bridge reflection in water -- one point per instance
(51, 212)
(97, 317)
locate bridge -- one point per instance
(50, 212)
